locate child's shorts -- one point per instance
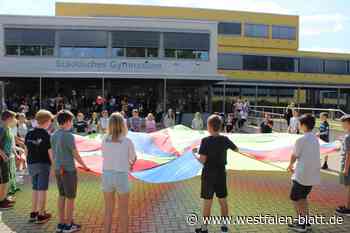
(67, 183)
(4, 171)
(113, 181)
(40, 174)
(299, 191)
(214, 184)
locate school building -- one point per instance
(186, 58)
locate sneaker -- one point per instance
(325, 166)
(33, 216)
(10, 200)
(297, 227)
(71, 228)
(224, 229)
(43, 218)
(5, 205)
(60, 227)
(342, 210)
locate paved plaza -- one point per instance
(162, 208)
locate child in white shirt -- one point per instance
(119, 156)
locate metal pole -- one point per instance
(164, 96)
(256, 96)
(298, 97)
(338, 99)
(2, 96)
(224, 99)
(40, 92)
(103, 87)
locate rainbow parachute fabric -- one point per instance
(166, 156)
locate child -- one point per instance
(22, 128)
(103, 123)
(64, 153)
(93, 123)
(39, 165)
(17, 154)
(212, 154)
(197, 122)
(243, 118)
(345, 166)
(294, 125)
(150, 123)
(306, 155)
(324, 134)
(267, 125)
(135, 121)
(119, 156)
(230, 122)
(169, 119)
(81, 126)
(6, 149)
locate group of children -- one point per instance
(304, 166)
(57, 153)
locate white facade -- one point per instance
(155, 68)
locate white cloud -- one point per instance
(315, 25)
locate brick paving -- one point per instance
(163, 208)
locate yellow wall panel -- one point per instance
(238, 41)
(84, 9)
(280, 52)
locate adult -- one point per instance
(169, 119)
(197, 122)
(288, 114)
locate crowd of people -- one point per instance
(80, 103)
(45, 144)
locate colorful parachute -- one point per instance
(166, 156)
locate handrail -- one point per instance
(301, 108)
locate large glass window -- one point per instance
(282, 64)
(230, 61)
(29, 42)
(256, 30)
(283, 32)
(202, 55)
(30, 50)
(186, 54)
(230, 28)
(47, 50)
(311, 65)
(135, 52)
(152, 52)
(335, 67)
(79, 52)
(118, 52)
(171, 53)
(12, 50)
(83, 43)
(251, 62)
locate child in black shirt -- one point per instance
(213, 155)
(81, 126)
(324, 134)
(39, 165)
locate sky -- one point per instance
(324, 24)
